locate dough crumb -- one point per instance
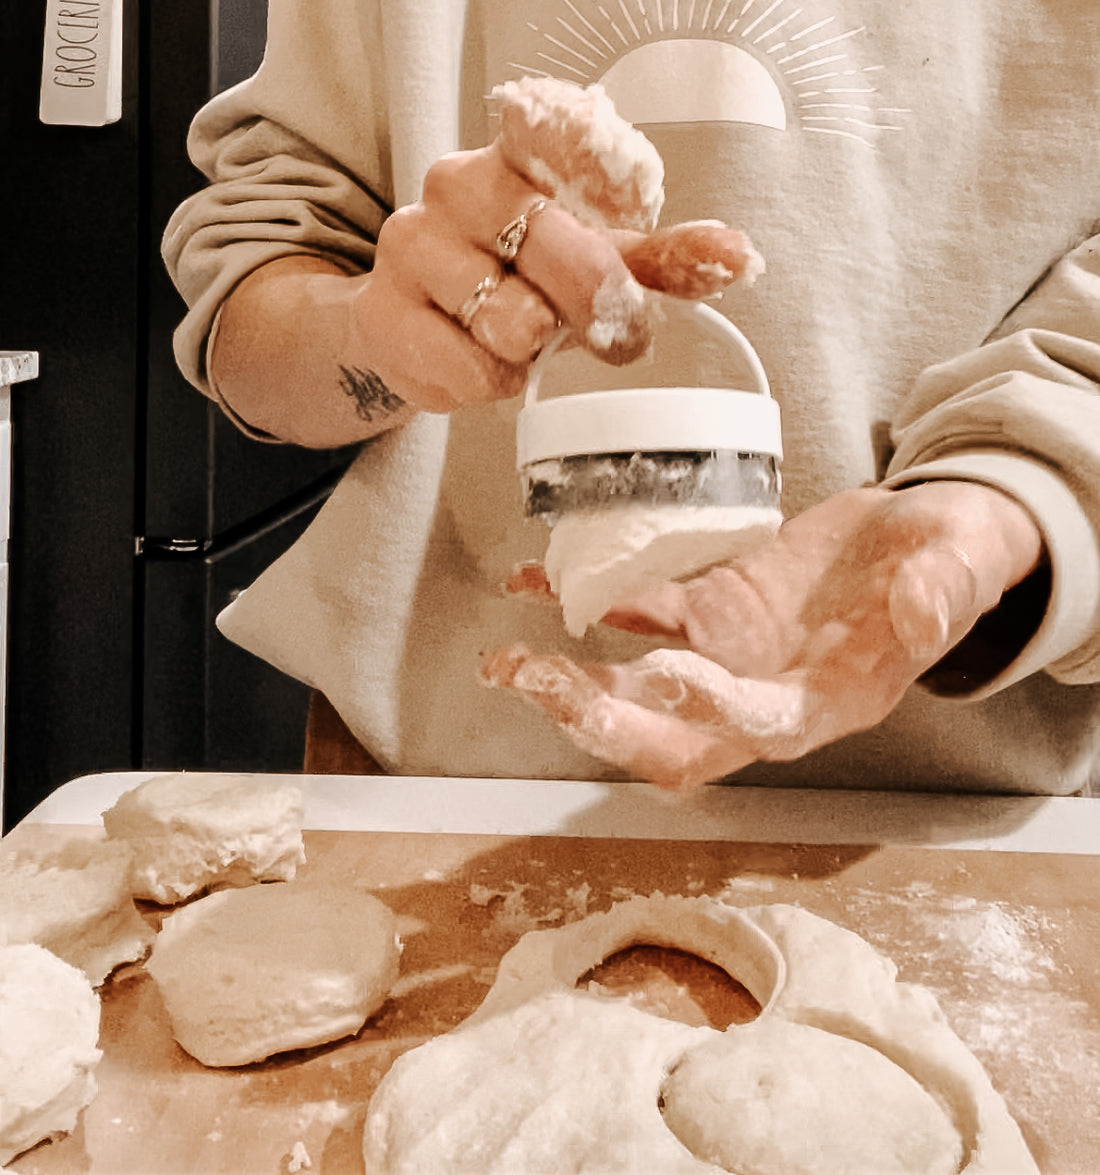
(299, 1158)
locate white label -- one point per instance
(82, 63)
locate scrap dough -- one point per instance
(73, 899)
(246, 973)
(49, 1029)
(193, 831)
(543, 1077)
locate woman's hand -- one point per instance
(468, 284)
(442, 344)
(815, 636)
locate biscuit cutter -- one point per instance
(654, 446)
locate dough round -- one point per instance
(247, 973)
(49, 1029)
(73, 899)
(193, 831)
(773, 1096)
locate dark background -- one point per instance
(138, 510)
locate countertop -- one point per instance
(993, 903)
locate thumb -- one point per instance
(933, 601)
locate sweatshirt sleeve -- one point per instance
(1022, 413)
(297, 161)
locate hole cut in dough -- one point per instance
(673, 984)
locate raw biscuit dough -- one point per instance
(597, 560)
(545, 1078)
(49, 1029)
(780, 1096)
(73, 899)
(193, 831)
(246, 973)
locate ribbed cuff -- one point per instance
(1058, 645)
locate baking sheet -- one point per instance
(1005, 940)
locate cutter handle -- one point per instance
(710, 320)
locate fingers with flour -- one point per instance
(672, 717)
(576, 267)
(694, 259)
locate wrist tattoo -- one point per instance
(369, 393)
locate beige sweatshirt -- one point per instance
(922, 179)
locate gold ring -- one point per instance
(514, 233)
(485, 290)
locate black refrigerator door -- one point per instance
(137, 508)
(208, 526)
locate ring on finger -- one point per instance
(514, 233)
(485, 289)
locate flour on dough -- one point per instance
(49, 1029)
(192, 831)
(73, 899)
(546, 1078)
(247, 973)
(597, 560)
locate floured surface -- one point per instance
(1005, 941)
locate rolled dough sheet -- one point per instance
(544, 1077)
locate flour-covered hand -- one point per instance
(575, 191)
(815, 636)
(550, 227)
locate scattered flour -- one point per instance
(513, 914)
(992, 968)
(746, 883)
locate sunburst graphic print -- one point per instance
(765, 62)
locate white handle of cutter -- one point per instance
(710, 320)
(653, 419)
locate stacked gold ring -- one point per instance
(514, 233)
(485, 290)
